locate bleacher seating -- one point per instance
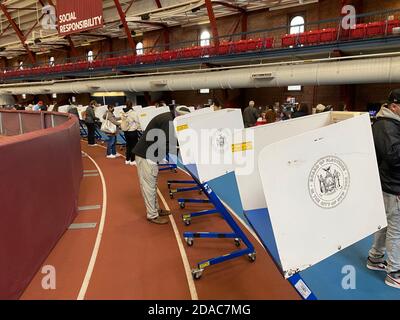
(310, 37)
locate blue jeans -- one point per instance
(111, 145)
(388, 239)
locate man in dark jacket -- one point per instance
(153, 147)
(90, 121)
(250, 115)
(386, 132)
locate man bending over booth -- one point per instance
(157, 142)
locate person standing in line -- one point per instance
(112, 137)
(90, 121)
(250, 115)
(386, 132)
(130, 125)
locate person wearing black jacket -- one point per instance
(153, 147)
(386, 131)
(250, 115)
(90, 121)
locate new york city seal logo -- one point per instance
(220, 140)
(329, 182)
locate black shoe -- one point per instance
(376, 264)
(393, 279)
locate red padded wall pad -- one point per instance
(40, 178)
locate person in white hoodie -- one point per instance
(131, 126)
(386, 131)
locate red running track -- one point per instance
(140, 260)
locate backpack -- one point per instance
(124, 122)
(128, 121)
(84, 115)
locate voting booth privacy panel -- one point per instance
(205, 139)
(318, 176)
(149, 113)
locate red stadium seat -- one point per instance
(269, 43)
(150, 57)
(359, 32)
(122, 61)
(82, 65)
(166, 55)
(289, 40)
(187, 53)
(240, 46)
(313, 36)
(328, 35)
(252, 45)
(302, 38)
(207, 51)
(195, 52)
(223, 48)
(131, 59)
(259, 44)
(375, 29)
(391, 24)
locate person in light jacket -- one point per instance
(130, 125)
(112, 137)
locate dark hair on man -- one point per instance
(129, 104)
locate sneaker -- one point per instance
(376, 264)
(116, 155)
(111, 156)
(393, 279)
(164, 213)
(159, 220)
(127, 162)
(133, 163)
(93, 145)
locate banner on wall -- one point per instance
(75, 16)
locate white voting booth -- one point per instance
(205, 138)
(149, 113)
(318, 176)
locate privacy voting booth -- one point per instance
(204, 138)
(149, 113)
(310, 188)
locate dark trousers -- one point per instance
(131, 141)
(91, 133)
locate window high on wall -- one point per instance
(139, 48)
(90, 56)
(205, 38)
(297, 25)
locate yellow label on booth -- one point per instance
(182, 127)
(245, 146)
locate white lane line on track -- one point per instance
(185, 260)
(92, 262)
